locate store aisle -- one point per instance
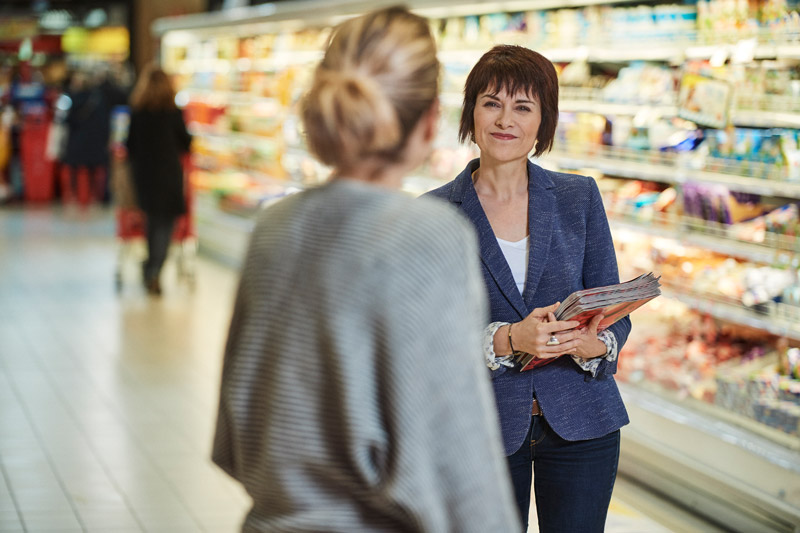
(107, 400)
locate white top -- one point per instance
(516, 254)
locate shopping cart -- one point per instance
(131, 227)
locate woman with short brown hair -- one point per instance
(543, 235)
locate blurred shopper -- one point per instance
(542, 236)
(84, 171)
(355, 302)
(157, 139)
(25, 97)
(6, 148)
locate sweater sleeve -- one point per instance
(446, 462)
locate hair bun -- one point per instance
(378, 77)
(354, 113)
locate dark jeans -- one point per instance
(159, 235)
(573, 479)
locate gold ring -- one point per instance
(553, 341)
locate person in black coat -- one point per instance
(88, 125)
(157, 139)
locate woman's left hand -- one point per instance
(590, 346)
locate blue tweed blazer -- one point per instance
(570, 249)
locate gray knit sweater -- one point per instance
(354, 393)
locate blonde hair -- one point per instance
(378, 77)
(153, 91)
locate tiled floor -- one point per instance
(107, 399)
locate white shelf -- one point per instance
(777, 320)
(716, 468)
(276, 16)
(250, 139)
(278, 60)
(682, 233)
(286, 58)
(739, 117)
(226, 97)
(221, 234)
(667, 168)
(611, 108)
(255, 174)
(765, 119)
(765, 111)
(671, 51)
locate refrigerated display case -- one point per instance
(710, 374)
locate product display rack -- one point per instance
(707, 235)
(671, 168)
(680, 446)
(776, 112)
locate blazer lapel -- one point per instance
(541, 207)
(492, 256)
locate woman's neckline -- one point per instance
(512, 243)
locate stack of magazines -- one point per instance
(613, 302)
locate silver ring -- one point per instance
(553, 341)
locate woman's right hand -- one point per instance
(532, 334)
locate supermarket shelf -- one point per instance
(250, 139)
(268, 17)
(285, 58)
(276, 17)
(784, 453)
(633, 51)
(765, 119)
(759, 253)
(778, 319)
(688, 454)
(598, 54)
(764, 111)
(458, 8)
(787, 50)
(225, 97)
(611, 108)
(255, 174)
(222, 235)
(675, 51)
(690, 233)
(279, 59)
(668, 168)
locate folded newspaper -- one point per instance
(614, 302)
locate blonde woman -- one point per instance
(157, 138)
(356, 302)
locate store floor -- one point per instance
(107, 399)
